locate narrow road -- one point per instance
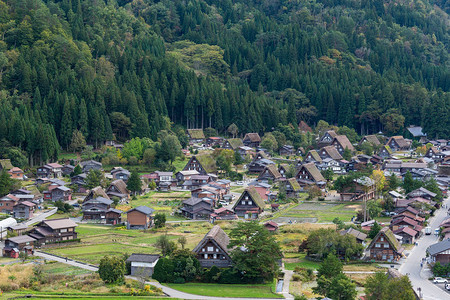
(418, 275)
(166, 290)
(40, 217)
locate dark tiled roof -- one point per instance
(439, 247)
(21, 239)
(138, 257)
(143, 209)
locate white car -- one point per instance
(447, 286)
(239, 183)
(224, 203)
(439, 280)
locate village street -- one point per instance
(419, 276)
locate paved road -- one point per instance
(166, 290)
(419, 276)
(40, 217)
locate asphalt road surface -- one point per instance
(419, 275)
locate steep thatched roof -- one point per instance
(345, 142)
(401, 142)
(303, 127)
(217, 235)
(253, 193)
(253, 137)
(315, 155)
(196, 134)
(390, 238)
(120, 185)
(235, 143)
(294, 184)
(371, 139)
(208, 163)
(332, 152)
(5, 164)
(313, 171)
(273, 170)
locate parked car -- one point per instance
(447, 286)
(223, 202)
(239, 183)
(439, 280)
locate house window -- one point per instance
(386, 245)
(215, 256)
(382, 239)
(249, 202)
(203, 250)
(377, 245)
(63, 230)
(210, 249)
(206, 256)
(384, 256)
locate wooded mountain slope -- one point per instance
(131, 67)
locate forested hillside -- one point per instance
(130, 68)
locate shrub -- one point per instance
(230, 276)
(296, 277)
(179, 280)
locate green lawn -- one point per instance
(63, 269)
(227, 290)
(322, 211)
(299, 260)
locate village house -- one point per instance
(164, 180)
(440, 252)
(52, 170)
(118, 188)
(372, 139)
(408, 235)
(120, 173)
(271, 226)
(333, 165)
(291, 187)
(287, 150)
(213, 250)
(197, 208)
(359, 236)
(17, 244)
(385, 247)
(259, 163)
(67, 170)
(142, 265)
(140, 217)
(80, 181)
(283, 169)
(113, 216)
(423, 193)
(309, 174)
(7, 203)
(57, 193)
(96, 192)
(327, 138)
(17, 229)
(232, 144)
(330, 152)
(196, 136)
(312, 156)
(114, 144)
(270, 173)
(88, 165)
(398, 143)
(393, 166)
(214, 141)
(56, 230)
(24, 210)
(360, 189)
(341, 142)
(434, 154)
(262, 188)
(195, 164)
(223, 214)
(16, 173)
(245, 152)
(95, 209)
(385, 151)
(249, 205)
(252, 140)
(182, 176)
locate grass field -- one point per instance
(100, 240)
(320, 212)
(227, 290)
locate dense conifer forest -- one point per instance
(133, 68)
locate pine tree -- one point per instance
(134, 183)
(66, 130)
